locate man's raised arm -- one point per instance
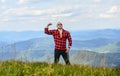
(47, 31)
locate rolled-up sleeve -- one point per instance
(47, 31)
(69, 40)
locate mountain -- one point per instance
(113, 47)
(96, 59)
(42, 49)
(13, 36)
(3, 43)
(37, 46)
(93, 43)
(94, 34)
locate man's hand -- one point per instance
(67, 50)
(49, 24)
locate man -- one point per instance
(60, 37)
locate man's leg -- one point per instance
(66, 57)
(56, 56)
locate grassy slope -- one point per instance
(16, 68)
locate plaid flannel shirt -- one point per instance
(60, 43)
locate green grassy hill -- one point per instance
(17, 68)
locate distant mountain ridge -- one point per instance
(40, 47)
(97, 59)
(12, 36)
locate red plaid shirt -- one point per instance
(60, 43)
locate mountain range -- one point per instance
(97, 45)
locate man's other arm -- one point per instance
(69, 40)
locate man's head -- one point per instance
(59, 25)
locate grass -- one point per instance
(18, 68)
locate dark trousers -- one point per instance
(64, 55)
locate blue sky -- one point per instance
(34, 15)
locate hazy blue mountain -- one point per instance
(94, 34)
(30, 48)
(3, 43)
(40, 49)
(109, 48)
(37, 46)
(45, 43)
(12, 36)
(93, 43)
(97, 59)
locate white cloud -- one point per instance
(5, 19)
(106, 16)
(114, 9)
(53, 12)
(77, 12)
(22, 1)
(97, 0)
(2, 1)
(37, 13)
(27, 1)
(3, 7)
(62, 15)
(113, 12)
(71, 0)
(22, 11)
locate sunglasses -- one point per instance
(59, 24)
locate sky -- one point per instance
(34, 15)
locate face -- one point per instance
(59, 26)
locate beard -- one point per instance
(60, 28)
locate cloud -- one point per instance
(113, 12)
(21, 1)
(28, 1)
(76, 12)
(106, 16)
(114, 9)
(62, 15)
(70, 0)
(60, 11)
(22, 12)
(5, 19)
(46, 1)
(97, 0)
(2, 1)
(3, 7)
